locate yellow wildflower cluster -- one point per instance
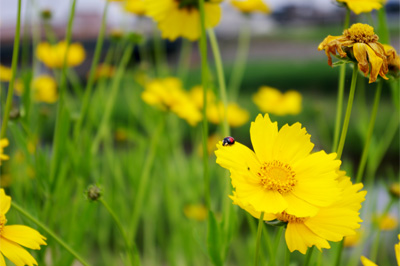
(286, 182)
(5, 73)
(43, 89)
(360, 44)
(363, 6)
(3, 143)
(12, 237)
(168, 94)
(249, 6)
(271, 100)
(53, 55)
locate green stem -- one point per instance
(258, 241)
(339, 253)
(92, 75)
(112, 98)
(270, 246)
(13, 72)
(144, 179)
(371, 126)
(184, 59)
(339, 106)
(123, 233)
(221, 80)
(49, 232)
(241, 59)
(287, 256)
(159, 54)
(308, 256)
(63, 84)
(348, 112)
(205, 84)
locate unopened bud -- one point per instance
(93, 193)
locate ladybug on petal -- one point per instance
(228, 141)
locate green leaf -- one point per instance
(214, 240)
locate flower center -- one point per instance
(361, 33)
(3, 221)
(277, 176)
(188, 4)
(287, 218)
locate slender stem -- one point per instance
(339, 106)
(13, 71)
(371, 126)
(270, 246)
(112, 97)
(49, 232)
(258, 241)
(144, 179)
(92, 75)
(308, 256)
(348, 112)
(121, 229)
(241, 59)
(184, 59)
(221, 79)
(287, 256)
(60, 107)
(159, 54)
(339, 253)
(205, 84)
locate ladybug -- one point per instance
(228, 141)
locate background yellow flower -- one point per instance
(235, 115)
(3, 143)
(5, 73)
(362, 6)
(271, 100)
(137, 7)
(248, 6)
(53, 55)
(44, 89)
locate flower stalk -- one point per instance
(258, 240)
(14, 63)
(49, 232)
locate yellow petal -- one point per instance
(298, 207)
(316, 175)
(24, 236)
(367, 262)
(16, 253)
(2, 261)
(292, 144)
(263, 134)
(5, 202)
(360, 53)
(300, 237)
(376, 64)
(262, 200)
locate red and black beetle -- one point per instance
(228, 141)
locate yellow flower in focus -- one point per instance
(271, 100)
(367, 262)
(361, 41)
(181, 18)
(53, 55)
(5, 73)
(168, 94)
(281, 170)
(12, 236)
(248, 6)
(330, 223)
(137, 7)
(3, 143)
(387, 222)
(352, 240)
(44, 89)
(362, 6)
(236, 115)
(196, 212)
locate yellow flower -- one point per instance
(3, 143)
(362, 6)
(168, 94)
(181, 18)
(248, 6)
(395, 190)
(387, 222)
(330, 223)
(196, 94)
(5, 73)
(281, 174)
(361, 41)
(236, 116)
(53, 55)
(104, 71)
(271, 100)
(44, 89)
(136, 7)
(196, 212)
(367, 262)
(393, 58)
(12, 236)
